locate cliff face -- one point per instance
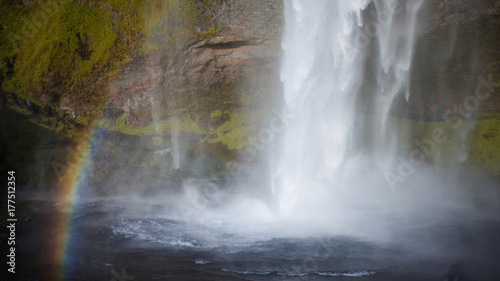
(206, 75)
(205, 70)
(209, 94)
(457, 68)
(229, 71)
(209, 62)
(448, 14)
(458, 46)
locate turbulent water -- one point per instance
(115, 239)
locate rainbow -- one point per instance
(70, 193)
(72, 184)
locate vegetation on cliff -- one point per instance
(54, 49)
(62, 56)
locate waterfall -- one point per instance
(336, 53)
(175, 144)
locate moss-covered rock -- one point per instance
(485, 146)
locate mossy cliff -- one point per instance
(148, 73)
(146, 70)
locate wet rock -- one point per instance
(175, 84)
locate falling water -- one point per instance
(327, 45)
(175, 145)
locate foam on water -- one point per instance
(201, 261)
(302, 274)
(170, 233)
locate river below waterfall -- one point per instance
(123, 239)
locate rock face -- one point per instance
(456, 50)
(207, 74)
(218, 73)
(222, 84)
(450, 13)
(226, 77)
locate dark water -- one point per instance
(107, 244)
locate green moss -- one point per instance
(441, 143)
(70, 47)
(221, 115)
(21, 110)
(211, 32)
(162, 127)
(64, 46)
(232, 133)
(234, 139)
(489, 115)
(82, 120)
(485, 146)
(474, 143)
(157, 140)
(237, 120)
(72, 50)
(162, 28)
(198, 17)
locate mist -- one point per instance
(367, 152)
